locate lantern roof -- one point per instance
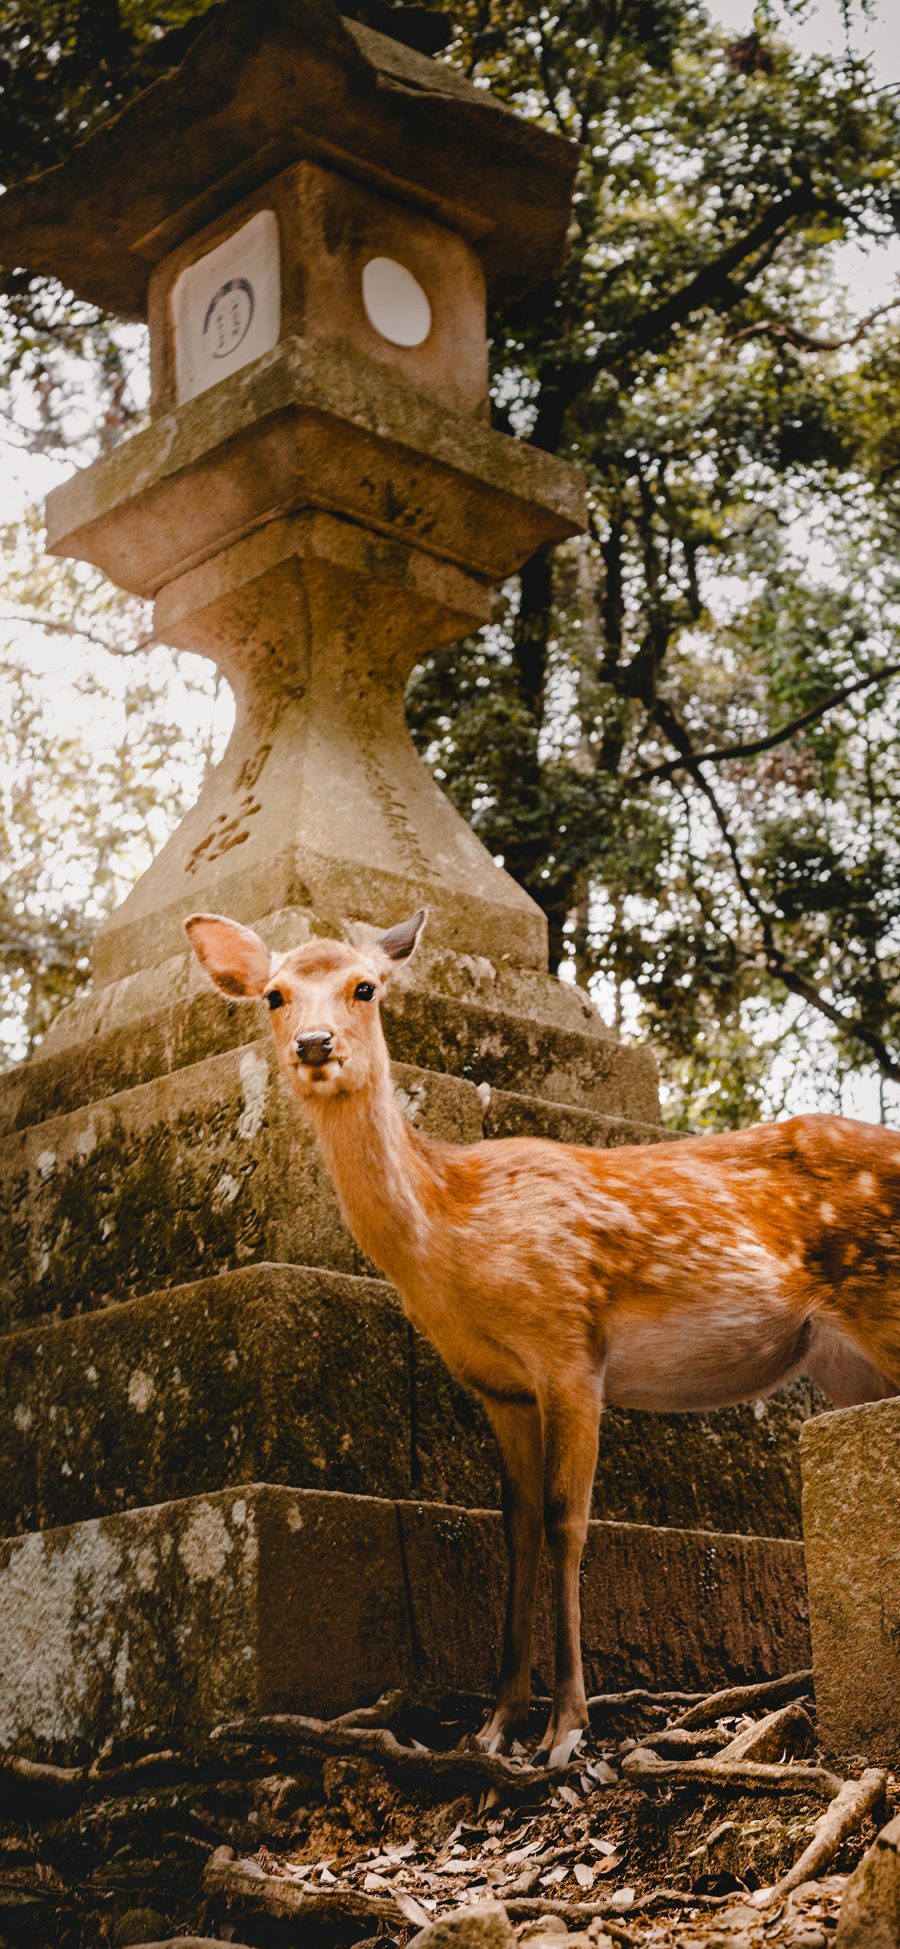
(260, 86)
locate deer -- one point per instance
(555, 1279)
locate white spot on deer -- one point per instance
(239, 1513)
(45, 1164)
(23, 1417)
(141, 1390)
(225, 1192)
(254, 1074)
(866, 1184)
(206, 1545)
(826, 1213)
(87, 1141)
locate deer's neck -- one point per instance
(381, 1170)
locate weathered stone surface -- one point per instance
(303, 427)
(660, 1607)
(190, 1174)
(273, 1599)
(870, 1910)
(484, 1926)
(851, 1527)
(256, 1599)
(271, 1374)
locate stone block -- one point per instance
(304, 427)
(190, 1174)
(870, 1909)
(270, 1373)
(851, 1528)
(270, 1599)
(660, 1607)
(259, 1599)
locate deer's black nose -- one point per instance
(315, 1047)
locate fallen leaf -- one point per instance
(522, 1853)
(622, 1898)
(584, 1874)
(413, 1910)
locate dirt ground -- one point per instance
(286, 1831)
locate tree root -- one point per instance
(380, 1744)
(754, 1775)
(851, 1804)
(279, 1895)
(523, 1908)
(40, 1773)
(615, 1701)
(743, 1698)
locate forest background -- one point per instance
(680, 734)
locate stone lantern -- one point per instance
(225, 1464)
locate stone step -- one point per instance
(548, 1043)
(206, 1168)
(264, 1598)
(290, 1374)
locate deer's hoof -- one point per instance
(560, 1751)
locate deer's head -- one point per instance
(322, 997)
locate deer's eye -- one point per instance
(364, 991)
(275, 998)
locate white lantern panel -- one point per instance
(395, 302)
(226, 308)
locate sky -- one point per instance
(868, 278)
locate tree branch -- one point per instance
(54, 626)
(808, 341)
(753, 746)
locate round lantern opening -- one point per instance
(395, 303)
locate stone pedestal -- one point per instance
(851, 1527)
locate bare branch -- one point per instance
(779, 328)
(752, 747)
(55, 626)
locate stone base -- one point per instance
(264, 1599)
(851, 1525)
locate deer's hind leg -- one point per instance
(517, 1426)
(571, 1425)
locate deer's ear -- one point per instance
(233, 956)
(399, 942)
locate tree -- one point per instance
(678, 733)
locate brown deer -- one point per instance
(553, 1278)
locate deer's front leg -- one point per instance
(518, 1431)
(571, 1428)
